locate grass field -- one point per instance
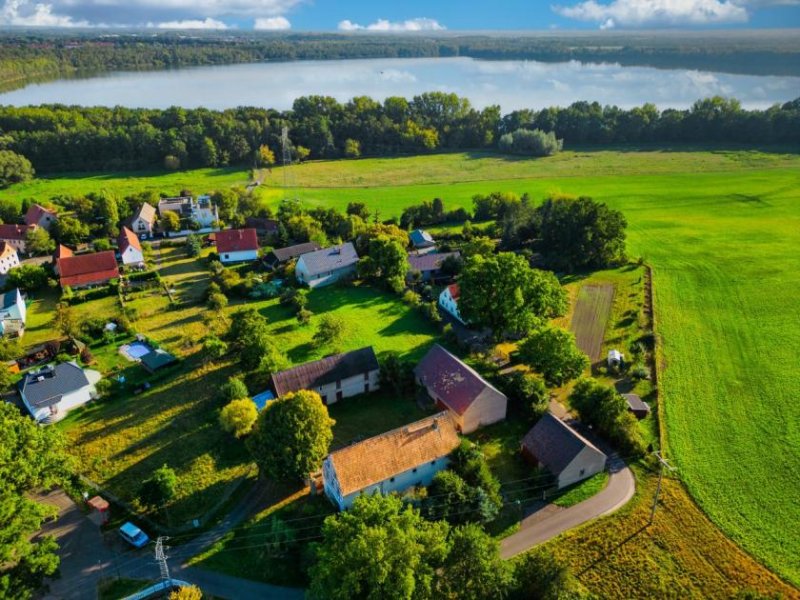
(590, 317)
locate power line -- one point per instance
(662, 462)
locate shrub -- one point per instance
(431, 312)
(238, 417)
(528, 392)
(530, 142)
(159, 488)
(235, 388)
(411, 298)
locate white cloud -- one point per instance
(418, 24)
(645, 13)
(21, 13)
(207, 23)
(272, 24)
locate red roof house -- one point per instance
(15, 235)
(87, 269)
(236, 245)
(40, 216)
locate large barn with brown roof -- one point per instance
(457, 387)
(391, 462)
(84, 270)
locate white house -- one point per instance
(12, 313)
(39, 216)
(16, 235)
(391, 462)
(130, 249)
(237, 245)
(203, 212)
(326, 266)
(51, 392)
(448, 300)
(143, 221)
(564, 452)
(8, 258)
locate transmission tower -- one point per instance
(288, 175)
(161, 558)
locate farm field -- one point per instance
(590, 316)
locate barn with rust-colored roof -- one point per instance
(457, 387)
(84, 270)
(391, 462)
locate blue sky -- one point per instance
(404, 15)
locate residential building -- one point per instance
(429, 265)
(390, 462)
(8, 258)
(263, 226)
(130, 248)
(143, 221)
(40, 216)
(448, 301)
(638, 407)
(281, 256)
(12, 313)
(421, 239)
(333, 377)
(61, 251)
(16, 235)
(84, 270)
(203, 212)
(564, 452)
(457, 387)
(326, 266)
(52, 391)
(237, 245)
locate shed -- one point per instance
(615, 358)
(421, 239)
(261, 400)
(157, 359)
(637, 406)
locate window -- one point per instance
(391, 480)
(227, 256)
(338, 384)
(366, 376)
(414, 470)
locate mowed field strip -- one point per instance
(590, 317)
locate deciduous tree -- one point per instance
(473, 569)
(238, 417)
(552, 352)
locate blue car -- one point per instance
(133, 535)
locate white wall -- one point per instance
(588, 462)
(352, 386)
(132, 256)
(447, 302)
(8, 262)
(240, 256)
(321, 279)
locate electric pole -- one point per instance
(161, 558)
(662, 462)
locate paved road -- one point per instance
(538, 528)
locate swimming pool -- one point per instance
(135, 350)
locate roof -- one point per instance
(635, 402)
(128, 238)
(261, 400)
(262, 224)
(11, 298)
(6, 249)
(326, 370)
(429, 262)
(87, 268)
(35, 214)
(236, 240)
(330, 259)
(63, 252)
(98, 503)
(554, 443)
(290, 252)
(452, 381)
(420, 237)
(381, 457)
(146, 212)
(47, 386)
(455, 291)
(156, 359)
(14, 232)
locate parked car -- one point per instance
(133, 535)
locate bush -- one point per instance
(159, 488)
(530, 142)
(528, 392)
(235, 388)
(238, 417)
(431, 312)
(411, 298)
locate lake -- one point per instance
(513, 84)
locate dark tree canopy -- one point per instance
(14, 168)
(552, 352)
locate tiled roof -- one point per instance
(327, 370)
(35, 214)
(14, 232)
(63, 252)
(236, 240)
(146, 212)
(635, 402)
(262, 224)
(455, 291)
(429, 262)
(128, 238)
(88, 268)
(330, 259)
(452, 381)
(554, 443)
(6, 249)
(381, 457)
(47, 386)
(290, 252)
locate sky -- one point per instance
(403, 15)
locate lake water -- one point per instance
(512, 84)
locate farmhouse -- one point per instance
(16, 235)
(130, 249)
(86, 270)
(51, 392)
(391, 462)
(637, 406)
(458, 388)
(12, 313)
(448, 301)
(560, 449)
(333, 377)
(39, 216)
(263, 226)
(237, 245)
(143, 221)
(421, 239)
(284, 255)
(429, 265)
(8, 258)
(327, 266)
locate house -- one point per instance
(61, 251)
(83, 270)
(448, 301)
(637, 406)
(39, 216)
(12, 313)
(130, 249)
(429, 265)
(264, 227)
(237, 245)
(203, 212)
(143, 221)
(333, 377)
(157, 359)
(52, 391)
(283, 255)
(8, 258)
(421, 239)
(16, 235)
(327, 266)
(458, 388)
(560, 449)
(390, 462)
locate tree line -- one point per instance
(71, 138)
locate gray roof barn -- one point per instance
(330, 259)
(429, 262)
(330, 369)
(637, 406)
(281, 255)
(47, 386)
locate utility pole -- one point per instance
(161, 558)
(662, 462)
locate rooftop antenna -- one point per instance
(288, 176)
